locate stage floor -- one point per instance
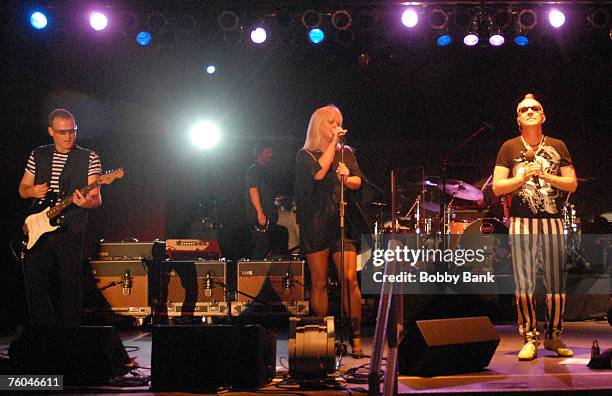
(505, 374)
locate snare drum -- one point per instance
(490, 235)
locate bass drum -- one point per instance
(490, 235)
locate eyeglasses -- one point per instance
(64, 132)
(535, 108)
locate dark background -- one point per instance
(405, 107)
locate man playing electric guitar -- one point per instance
(55, 259)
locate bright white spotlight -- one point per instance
(205, 135)
(98, 21)
(496, 40)
(210, 69)
(470, 40)
(556, 18)
(410, 18)
(258, 35)
(38, 20)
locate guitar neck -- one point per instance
(64, 203)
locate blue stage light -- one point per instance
(144, 39)
(38, 20)
(521, 40)
(444, 40)
(316, 36)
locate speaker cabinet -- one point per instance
(195, 358)
(447, 346)
(86, 355)
(117, 293)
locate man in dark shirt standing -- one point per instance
(267, 236)
(537, 171)
(61, 168)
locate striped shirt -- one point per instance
(57, 165)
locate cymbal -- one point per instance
(460, 189)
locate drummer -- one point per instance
(268, 238)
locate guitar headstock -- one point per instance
(111, 176)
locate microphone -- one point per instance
(209, 284)
(126, 283)
(530, 156)
(288, 281)
(342, 133)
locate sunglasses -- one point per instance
(64, 132)
(524, 109)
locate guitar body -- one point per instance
(40, 223)
(36, 225)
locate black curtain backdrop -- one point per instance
(408, 106)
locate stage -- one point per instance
(505, 374)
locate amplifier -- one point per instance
(193, 288)
(124, 250)
(192, 249)
(123, 286)
(271, 281)
(293, 308)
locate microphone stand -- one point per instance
(341, 347)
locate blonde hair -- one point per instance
(317, 120)
(528, 96)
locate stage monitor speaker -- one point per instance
(86, 355)
(447, 346)
(257, 362)
(196, 358)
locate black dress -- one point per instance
(318, 200)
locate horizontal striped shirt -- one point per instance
(57, 166)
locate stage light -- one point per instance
(410, 18)
(470, 39)
(228, 20)
(444, 40)
(38, 20)
(205, 135)
(599, 18)
(438, 19)
(210, 69)
(258, 35)
(341, 20)
(98, 21)
(311, 19)
(344, 37)
(496, 40)
(144, 38)
(316, 36)
(556, 18)
(527, 19)
(521, 40)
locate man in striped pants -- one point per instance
(536, 171)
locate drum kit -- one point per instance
(463, 228)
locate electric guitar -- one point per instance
(39, 223)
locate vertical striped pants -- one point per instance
(538, 242)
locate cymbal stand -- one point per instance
(444, 175)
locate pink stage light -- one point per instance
(556, 18)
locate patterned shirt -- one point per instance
(57, 165)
